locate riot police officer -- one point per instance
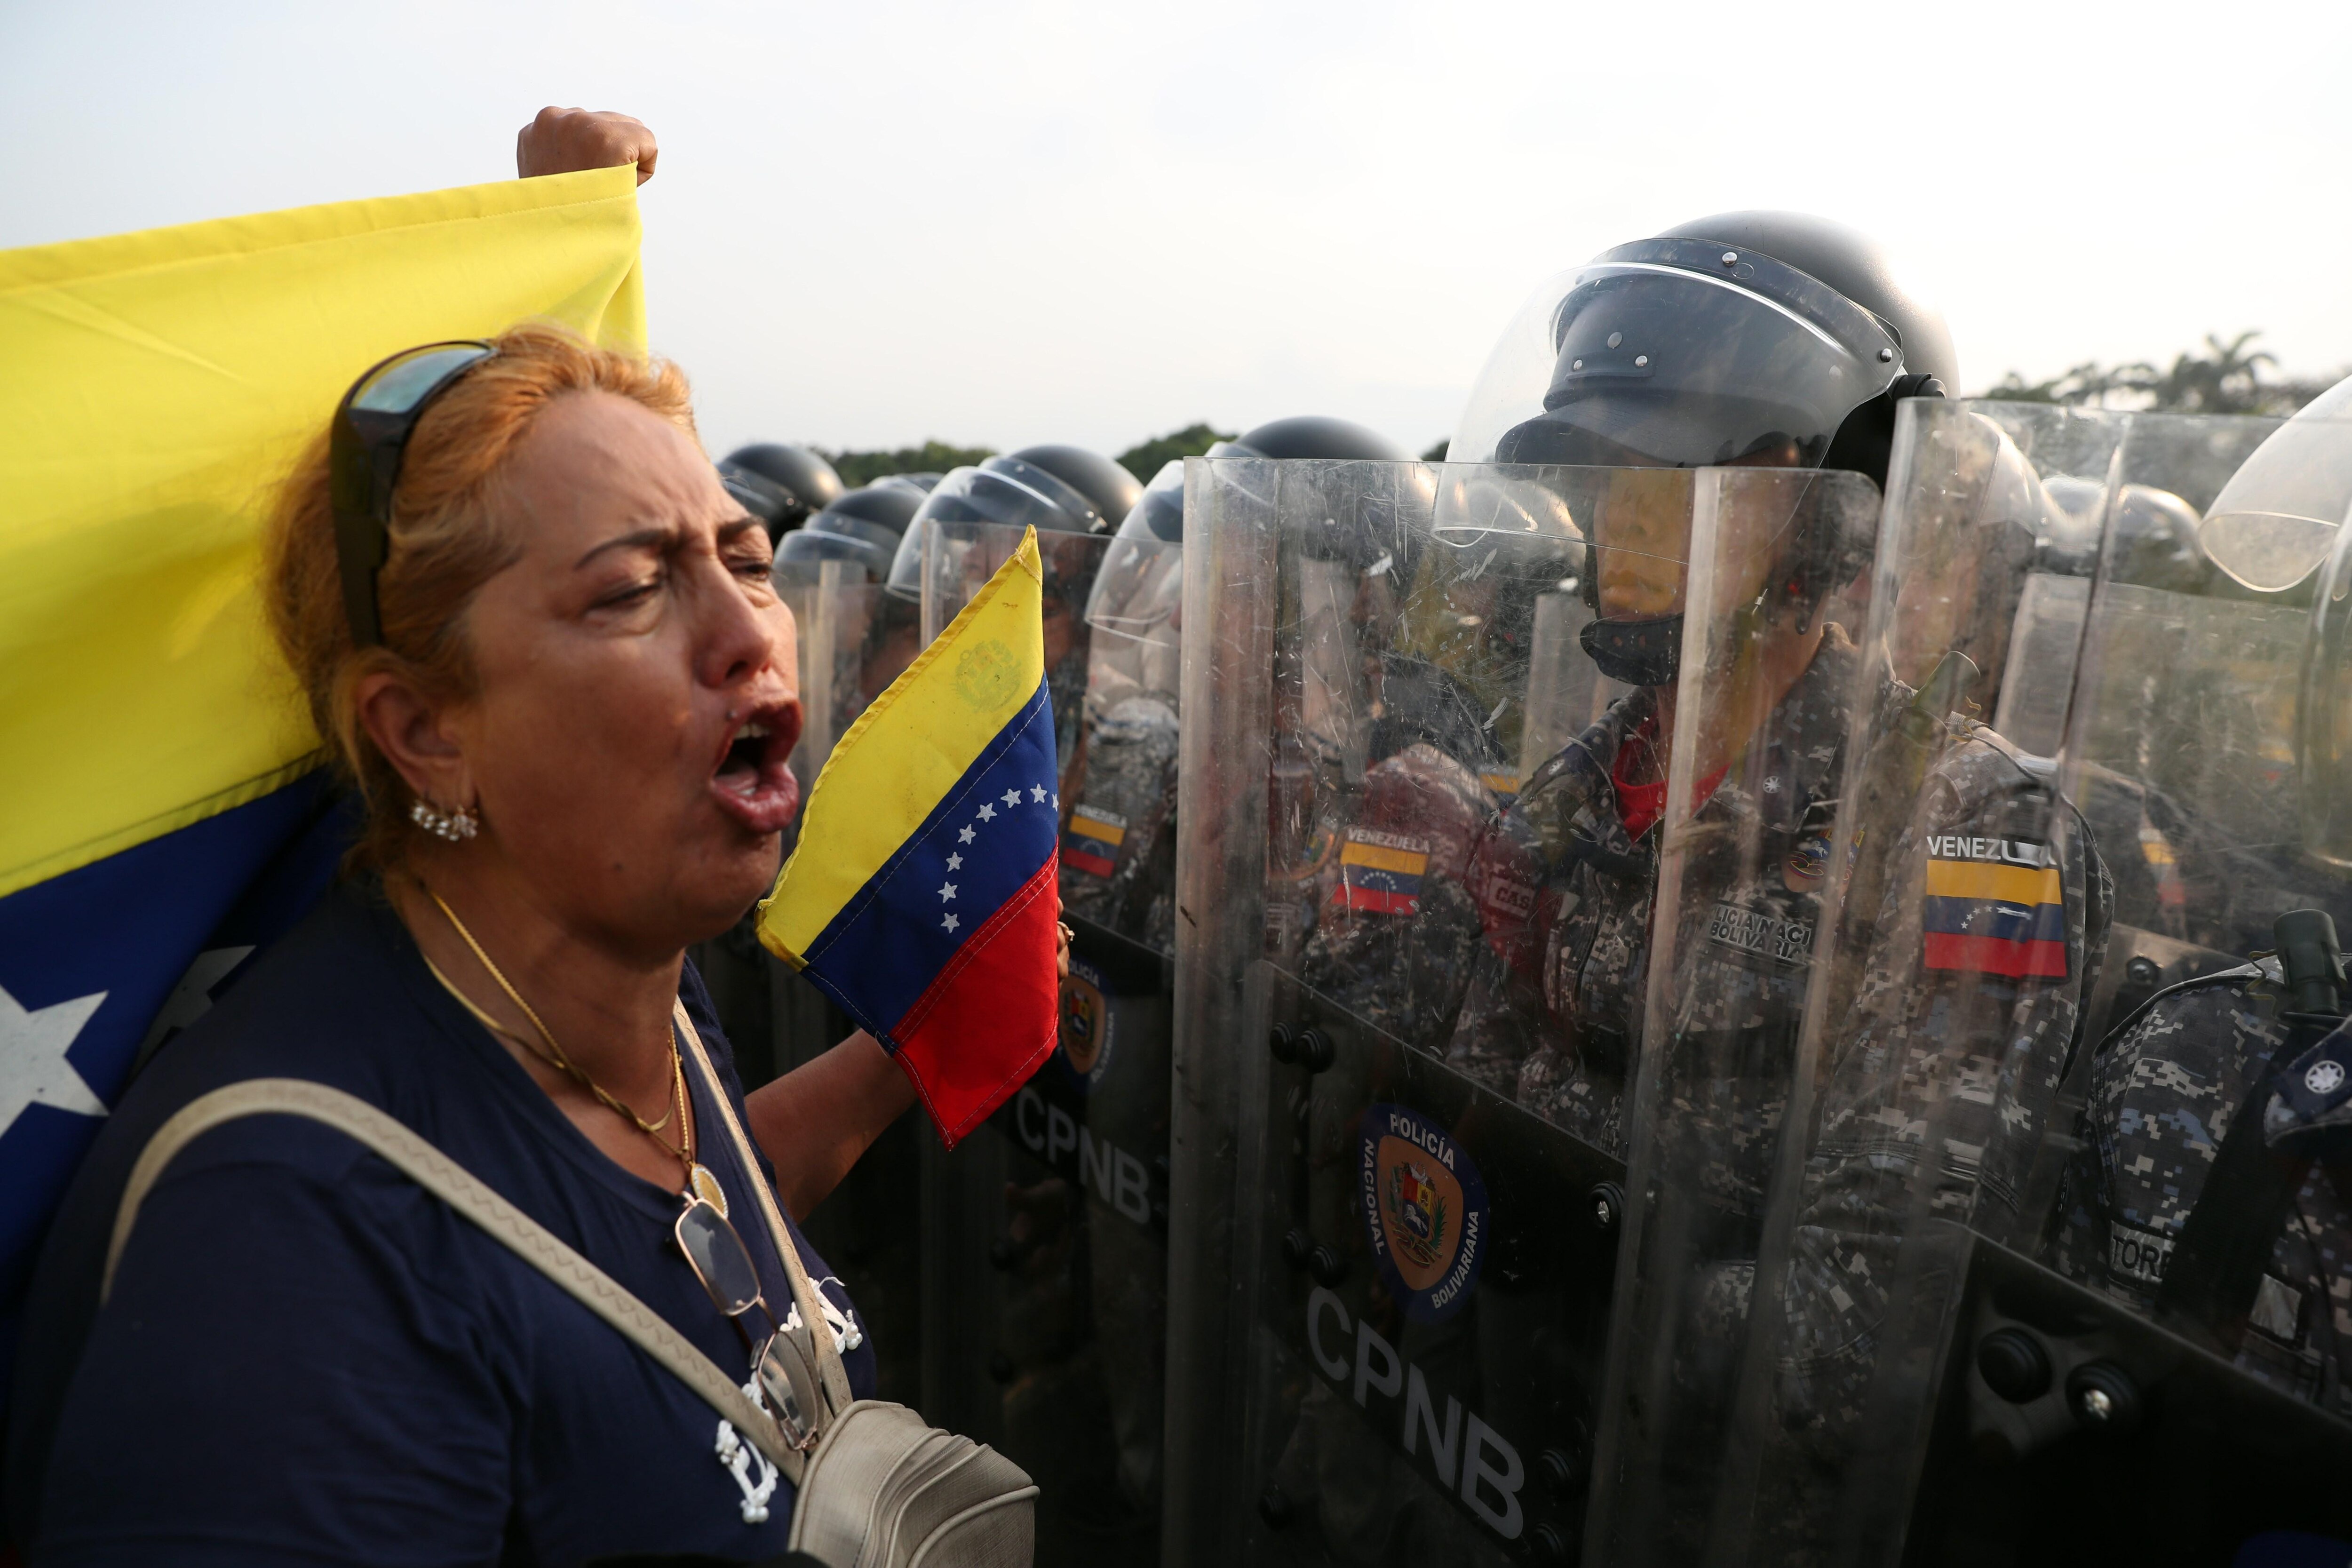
(1751, 340)
(1974, 903)
(1773, 351)
(1119, 852)
(1076, 1253)
(2214, 1189)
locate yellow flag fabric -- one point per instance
(155, 387)
(913, 746)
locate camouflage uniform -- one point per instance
(1916, 1042)
(1395, 926)
(1130, 785)
(2161, 1099)
(1939, 1078)
(1749, 908)
(1066, 690)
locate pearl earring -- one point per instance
(456, 826)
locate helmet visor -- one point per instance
(1024, 496)
(1138, 591)
(1141, 582)
(1675, 354)
(869, 560)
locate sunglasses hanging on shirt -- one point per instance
(784, 1365)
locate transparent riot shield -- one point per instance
(1727, 959)
(2180, 746)
(1045, 1235)
(1976, 1340)
(1119, 855)
(1421, 846)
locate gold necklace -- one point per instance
(698, 1180)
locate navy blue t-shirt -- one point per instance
(307, 1358)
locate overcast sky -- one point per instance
(1000, 224)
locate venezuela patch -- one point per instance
(1993, 906)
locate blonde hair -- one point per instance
(448, 537)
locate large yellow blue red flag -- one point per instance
(921, 896)
(161, 816)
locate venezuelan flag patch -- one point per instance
(1092, 843)
(1379, 873)
(1504, 787)
(1994, 906)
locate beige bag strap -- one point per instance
(437, 1174)
(804, 1294)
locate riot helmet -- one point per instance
(1108, 489)
(1158, 512)
(2069, 543)
(1136, 593)
(2273, 522)
(779, 485)
(1746, 336)
(1317, 436)
(2154, 532)
(2153, 543)
(1008, 489)
(863, 527)
(1765, 339)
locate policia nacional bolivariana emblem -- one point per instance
(1086, 1022)
(1424, 1210)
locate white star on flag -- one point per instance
(33, 1066)
(965, 837)
(947, 891)
(1038, 794)
(1057, 801)
(955, 862)
(988, 814)
(947, 922)
(1013, 797)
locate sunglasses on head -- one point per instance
(373, 425)
(782, 1364)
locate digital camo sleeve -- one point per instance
(1966, 971)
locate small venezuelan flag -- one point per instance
(921, 897)
(1379, 873)
(1092, 844)
(1994, 906)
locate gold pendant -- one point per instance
(706, 1186)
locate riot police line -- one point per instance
(1678, 982)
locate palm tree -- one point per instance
(2230, 382)
(2228, 379)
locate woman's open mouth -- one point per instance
(753, 782)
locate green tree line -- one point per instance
(936, 456)
(2227, 378)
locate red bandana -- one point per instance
(1639, 806)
